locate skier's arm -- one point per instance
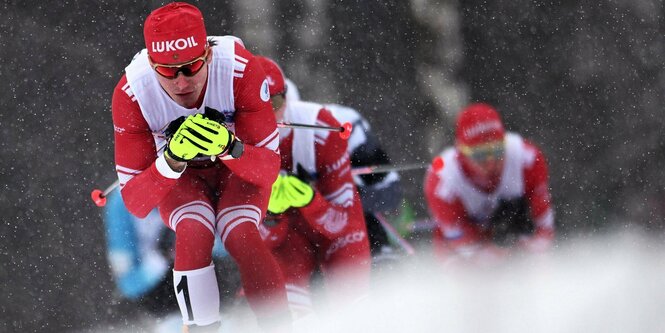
(450, 216)
(537, 192)
(255, 125)
(145, 179)
(336, 202)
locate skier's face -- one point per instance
(184, 83)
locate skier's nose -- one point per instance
(181, 81)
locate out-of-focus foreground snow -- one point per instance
(610, 284)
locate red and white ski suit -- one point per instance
(463, 211)
(330, 232)
(225, 198)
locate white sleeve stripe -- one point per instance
(322, 123)
(241, 59)
(128, 90)
(127, 171)
(321, 134)
(124, 178)
(271, 142)
(237, 75)
(239, 67)
(268, 138)
(342, 197)
(342, 190)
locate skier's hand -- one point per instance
(212, 137)
(199, 135)
(289, 191)
(182, 144)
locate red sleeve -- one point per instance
(452, 223)
(255, 126)
(536, 178)
(142, 186)
(336, 197)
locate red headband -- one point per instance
(478, 123)
(175, 33)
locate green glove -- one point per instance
(211, 136)
(181, 146)
(289, 191)
(199, 135)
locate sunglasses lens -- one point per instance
(169, 72)
(187, 70)
(193, 68)
(485, 153)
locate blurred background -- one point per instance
(583, 80)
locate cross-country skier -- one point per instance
(208, 177)
(492, 192)
(317, 217)
(380, 192)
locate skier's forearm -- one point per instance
(258, 166)
(144, 191)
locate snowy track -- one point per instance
(613, 284)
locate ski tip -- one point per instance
(98, 198)
(437, 164)
(345, 133)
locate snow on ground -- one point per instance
(610, 284)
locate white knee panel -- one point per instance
(300, 301)
(198, 295)
(231, 217)
(199, 211)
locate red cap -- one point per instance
(274, 74)
(478, 123)
(175, 33)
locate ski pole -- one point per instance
(344, 130)
(392, 233)
(99, 196)
(437, 165)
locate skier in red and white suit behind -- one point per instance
(208, 177)
(318, 217)
(492, 193)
